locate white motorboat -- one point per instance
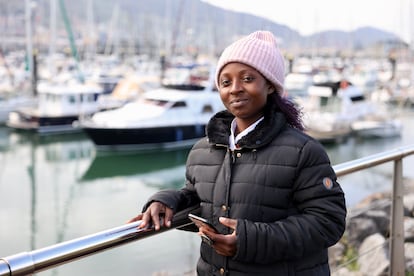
(58, 106)
(332, 113)
(172, 116)
(377, 127)
(161, 118)
(325, 117)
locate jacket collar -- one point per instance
(218, 129)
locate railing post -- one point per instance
(397, 255)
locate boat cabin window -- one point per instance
(156, 102)
(184, 87)
(72, 99)
(52, 98)
(88, 98)
(324, 101)
(358, 98)
(207, 109)
(330, 104)
(179, 104)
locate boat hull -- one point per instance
(145, 138)
(10, 105)
(334, 136)
(377, 129)
(42, 124)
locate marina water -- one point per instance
(57, 188)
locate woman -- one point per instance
(266, 186)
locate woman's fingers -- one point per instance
(153, 214)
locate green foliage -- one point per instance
(350, 255)
(350, 258)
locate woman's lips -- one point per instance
(238, 102)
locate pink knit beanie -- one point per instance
(258, 50)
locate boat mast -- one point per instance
(29, 45)
(91, 46)
(176, 28)
(71, 39)
(52, 42)
(112, 37)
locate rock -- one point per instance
(373, 256)
(358, 229)
(408, 186)
(371, 198)
(409, 204)
(409, 256)
(381, 219)
(409, 229)
(335, 253)
(367, 232)
(343, 271)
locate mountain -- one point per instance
(359, 38)
(368, 36)
(154, 26)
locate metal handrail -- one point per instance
(373, 160)
(38, 260)
(27, 263)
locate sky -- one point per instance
(311, 16)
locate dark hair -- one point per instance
(291, 111)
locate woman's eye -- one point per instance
(248, 79)
(225, 82)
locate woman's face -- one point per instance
(243, 91)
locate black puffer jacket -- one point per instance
(279, 186)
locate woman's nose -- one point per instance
(235, 87)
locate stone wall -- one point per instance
(366, 237)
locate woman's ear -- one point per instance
(270, 89)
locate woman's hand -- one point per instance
(152, 214)
(225, 245)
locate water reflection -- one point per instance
(140, 164)
(57, 188)
(60, 148)
(32, 177)
(4, 138)
(355, 148)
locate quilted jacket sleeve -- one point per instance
(174, 199)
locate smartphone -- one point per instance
(199, 221)
(202, 222)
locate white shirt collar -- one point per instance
(234, 140)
